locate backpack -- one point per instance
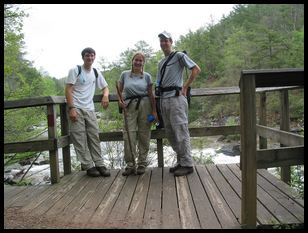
(79, 71)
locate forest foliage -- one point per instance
(252, 36)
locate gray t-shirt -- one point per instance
(136, 85)
(174, 72)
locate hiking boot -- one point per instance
(128, 171)
(140, 170)
(93, 172)
(183, 171)
(172, 169)
(103, 171)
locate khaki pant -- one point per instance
(139, 132)
(85, 138)
(175, 116)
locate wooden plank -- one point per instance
(233, 90)
(152, 214)
(280, 213)
(60, 204)
(204, 209)
(135, 213)
(25, 196)
(79, 199)
(264, 216)
(285, 171)
(262, 119)
(277, 77)
(28, 102)
(105, 206)
(284, 137)
(226, 191)
(10, 192)
(291, 206)
(29, 146)
(160, 152)
(53, 201)
(278, 210)
(188, 215)
(112, 98)
(262, 213)
(66, 152)
(170, 208)
(201, 131)
(52, 134)
(53, 190)
(248, 151)
(282, 186)
(221, 208)
(120, 208)
(284, 156)
(214, 130)
(82, 216)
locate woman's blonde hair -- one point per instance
(143, 57)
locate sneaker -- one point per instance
(172, 169)
(140, 170)
(93, 172)
(183, 171)
(103, 171)
(128, 171)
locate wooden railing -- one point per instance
(251, 159)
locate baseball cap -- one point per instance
(165, 35)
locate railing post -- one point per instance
(262, 119)
(52, 134)
(66, 154)
(160, 153)
(285, 173)
(248, 151)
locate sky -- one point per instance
(55, 34)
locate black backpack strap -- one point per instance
(79, 70)
(95, 71)
(163, 69)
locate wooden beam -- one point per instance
(283, 137)
(52, 134)
(277, 77)
(29, 146)
(248, 151)
(284, 156)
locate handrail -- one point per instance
(249, 81)
(54, 143)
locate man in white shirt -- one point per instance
(84, 132)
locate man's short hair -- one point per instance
(87, 50)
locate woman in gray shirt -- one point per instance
(137, 100)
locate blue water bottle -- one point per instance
(150, 118)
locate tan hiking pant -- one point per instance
(139, 132)
(85, 138)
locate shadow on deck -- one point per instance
(208, 198)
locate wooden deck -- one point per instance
(208, 198)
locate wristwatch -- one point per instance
(70, 107)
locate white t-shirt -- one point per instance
(84, 87)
